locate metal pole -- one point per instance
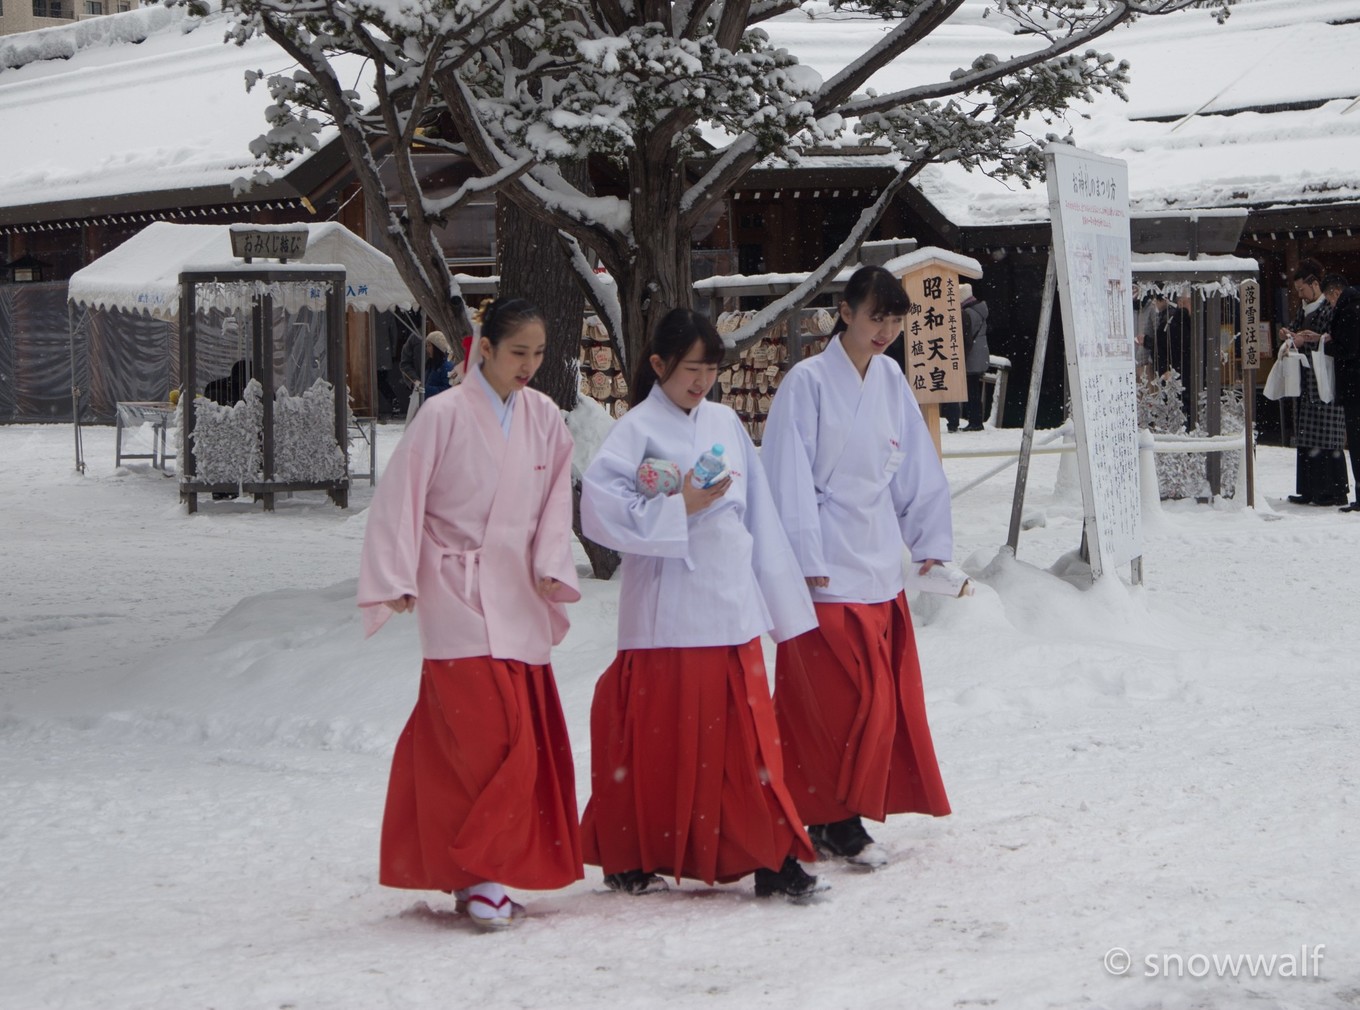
(1036, 379)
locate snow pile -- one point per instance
(304, 435)
(190, 698)
(588, 423)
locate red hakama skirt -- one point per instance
(852, 716)
(482, 784)
(686, 770)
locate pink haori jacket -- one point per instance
(722, 576)
(467, 522)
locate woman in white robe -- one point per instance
(471, 528)
(856, 477)
(685, 760)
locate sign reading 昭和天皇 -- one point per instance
(933, 336)
(269, 243)
(1089, 204)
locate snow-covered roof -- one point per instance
(736, 285)
(152, 100)
(146, 100)
(1161, 265)
(142, 274)
(1296, 61)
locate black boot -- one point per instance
(848, 840)
(842, 838)
(635, 882)
(790, 880)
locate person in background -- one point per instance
(1176, 345)
(1320, 463)
(1342, 342)
(975, 361)
(855, 474)
(438, 363)
(470, 528)
(231, 388)
(686, 770)
(411, 365)
(1152, 331)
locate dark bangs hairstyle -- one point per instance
(678, 331)
(877, 289)
(506, 315)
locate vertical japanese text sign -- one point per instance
(1089, 204)
(934, 335)
(1250, 294)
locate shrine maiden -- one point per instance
(856, 477)
(471, 528)
(685, 761)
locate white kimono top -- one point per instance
(722, 576)
(855, 475)
(467, 520)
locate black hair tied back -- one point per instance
(506, 315)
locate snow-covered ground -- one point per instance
(194, 742)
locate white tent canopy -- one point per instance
(142, 274)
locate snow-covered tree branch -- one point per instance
(645, 86)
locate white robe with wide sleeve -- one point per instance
(467, 521)
(855, 474)
(722, 576)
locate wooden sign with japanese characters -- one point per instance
(1250, 294)
(934, 336)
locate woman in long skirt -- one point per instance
(686, 770)
(856, 476)
(471, 529)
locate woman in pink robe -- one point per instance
(470, 528)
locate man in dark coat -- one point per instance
(1343, 344)
(1320, 471)
(231, 388)
(1174, 349)
(411, 364)
(976, 358)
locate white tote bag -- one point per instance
(1324, 370)
(1286, 378)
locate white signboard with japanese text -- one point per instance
(1088, 201)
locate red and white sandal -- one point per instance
(488, 906)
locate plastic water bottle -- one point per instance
(710, 467)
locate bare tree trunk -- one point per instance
(603, 561)
(660, 278)
(529, 261)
